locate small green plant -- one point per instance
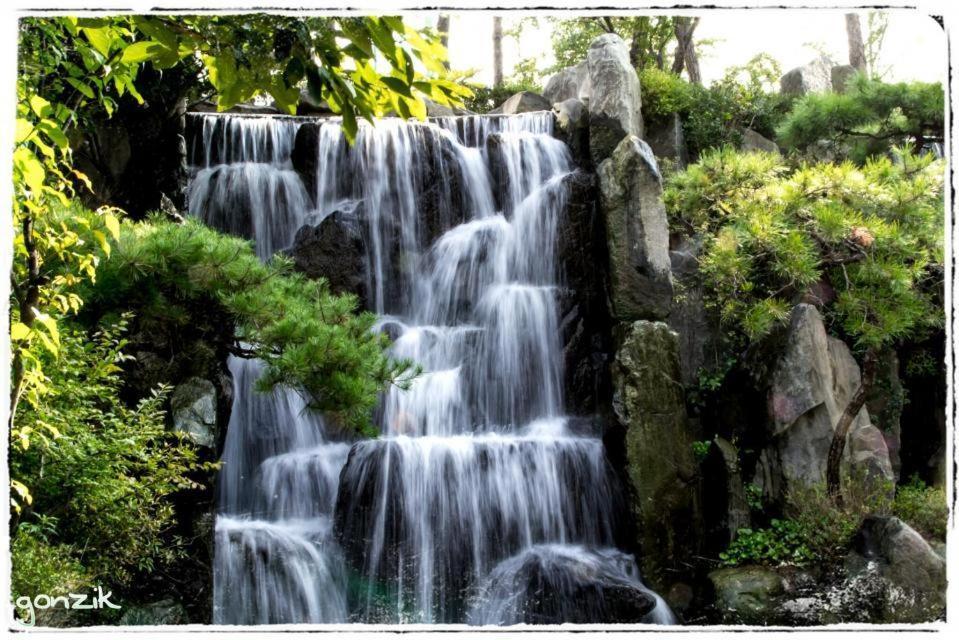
(754, 496)
(701, 449)
(783, 542)
(922, 507)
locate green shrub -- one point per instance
(924, 508)
(871, 118)
(103, 479)
(309, 338)
(874, 233)
(816, 530)
(486, 98)
(43, 568)
(714, 116)
(783, 542)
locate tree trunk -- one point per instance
(857, 49)
(497, 51)
(685, 55)
(27, 305)
(443, 28)
(841, 432)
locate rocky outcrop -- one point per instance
(569, 83)
(815, 77)
(753, 141)
(668, 141)
(583, 314)
(333, 250)
(636, 231)
(572, 127)
(649, 403)
(523, 102)
(746, 595)
(885, 404)
(812, 382)
(699, 332)
(615, 102)
(912, 573)
(193, 410)
(840, 75)
(725, 506)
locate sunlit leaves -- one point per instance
(872, 235)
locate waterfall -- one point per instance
(477, 482)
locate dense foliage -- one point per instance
(925, 508)
(869, 237)
(745, 97)
(815, 530)
(309, 338)
(647, 37)
(101, 473)
(73, 71)
(870, 118)
(485, 99)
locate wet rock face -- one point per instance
(550, 584)
(583, 317)
(334, 250)
(631, 201)
(649, 402)
(614, 96)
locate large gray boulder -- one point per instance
(913, 574)
(753, 141)
(569, 83)
(631, 201)
(615, 102)
(812, 382)
(649, 401)
(700, 337)
(815, 77)
(193, 410)
(747, 594)
(523, 102)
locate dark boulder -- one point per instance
(553, 584)
(334, 250)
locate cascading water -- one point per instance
(477, 476)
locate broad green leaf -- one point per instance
(19, 331)
(142, 51)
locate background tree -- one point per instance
(857, 48)
(647, 37)
(685, 55)
(876, 24)
(497, 51)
